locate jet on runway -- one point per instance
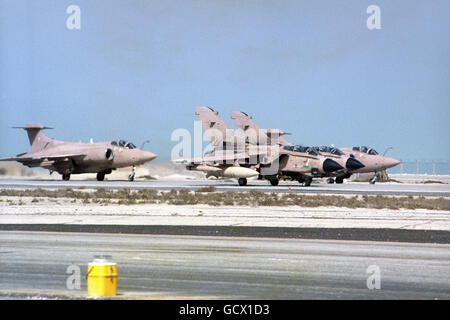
(246, 156)
(227, 158)
(373, 162)
(68, 158)
(352, 160)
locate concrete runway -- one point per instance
(193, 265)
(432, 190)
(34, 264)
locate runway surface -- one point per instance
(169, 252)
(432, 190)
(34, 265)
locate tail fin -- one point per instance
(215, 128)
(243, 121)
(255, 135)
(38, 140)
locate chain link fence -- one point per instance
(422, 167)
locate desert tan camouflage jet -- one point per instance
(245, 124)
(353, 160)
(227, 158)
(254, 154)
(373, 162)
(349, 163)
(301, 163)
(68, 158)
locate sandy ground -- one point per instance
(420, 178)
(24, 210)
(64, 212)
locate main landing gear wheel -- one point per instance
(100, 176)
(66, 177)
(274, 182)
(331, 180)
(308, 182)
(339, 180)
(242, 181)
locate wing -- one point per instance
(28, 158)
(64, 156)
(207, 159)
(265, 154)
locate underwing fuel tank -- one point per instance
(239, 172)
(204, 168)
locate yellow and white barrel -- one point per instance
(102, 278)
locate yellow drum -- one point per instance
(102, 278)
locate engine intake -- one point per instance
(109, 154)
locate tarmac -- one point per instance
(360, 188)
(202, 252)
(34, 265)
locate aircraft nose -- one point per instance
(149, 156)
(145, 156)
(353, 164)
(330, 165)
(390, 162)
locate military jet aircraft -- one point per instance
(302, 163)
(240, 157)
(349, 163)
(353, 160)
(373, 162)
(227, 158)
(68, 158)
(245, 123)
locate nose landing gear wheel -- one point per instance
(131, 176)
(66, 177)
(373, 180)
(100, 176)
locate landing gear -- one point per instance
(373, 179)
(66, 176)
(131, 176)
(242, 181)
(331, 180)
(100, 176)
(274, 182)
(308, 181)
(339, 180)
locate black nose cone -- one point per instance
(330, 165)
(353, 164)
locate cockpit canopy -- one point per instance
(331, 150)
(300, 148)
(124, 144)
(365, 150)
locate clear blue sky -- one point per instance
(136, 69)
